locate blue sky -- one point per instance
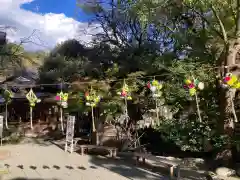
(67, 7)
(52, 21)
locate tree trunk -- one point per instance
(226, 123)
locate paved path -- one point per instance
(34, 161)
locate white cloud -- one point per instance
(48, 29)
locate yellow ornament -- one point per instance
(188, 81)
(92, 99)
(32, 104)
(65, 97)
(159, 86)
(232, 81)
(129, 98)
(192, 91)
(155, 83)
(236, 85)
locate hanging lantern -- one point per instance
(32, 98)
(62, 99)
(155, 87)
(92, 99)
(125, 92)
(230, 81)
(193, 86)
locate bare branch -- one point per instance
(224, 33)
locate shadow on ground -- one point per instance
(126, 167)
(33, 167)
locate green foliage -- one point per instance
(187, 135)
(191, 135)
(171, 40)
(60, 68)
(13, 58)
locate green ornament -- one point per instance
(196, 82)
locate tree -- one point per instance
(220, 23)
(132, 44)
(13, 57)
(64, 63)
(201, 33)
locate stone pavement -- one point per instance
(47, 161)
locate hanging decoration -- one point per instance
(231, 81)
(32, 98)
(62, 99)
(125, 92)
(92, 99)
(192, 86)
(155, 87)
(7, 95)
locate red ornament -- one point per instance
(58, 98)
(86, 94)
(149, 85)
(228, 78)
(190, 86)
(123, 93)
(185, 86)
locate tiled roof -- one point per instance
(23, 96)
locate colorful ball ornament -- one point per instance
(125, 92)
(62, 99)
(91, 98)
(155, 87)
(201, 85)
(58, 98)
(192, 86)
(230, 81)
